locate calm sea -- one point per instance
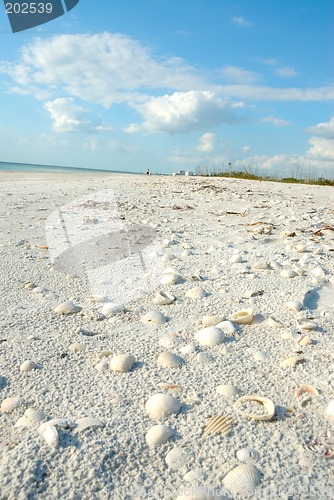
(53, 168)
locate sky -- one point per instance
(173, 85)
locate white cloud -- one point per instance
(286, 72)
(279, 122)
(70, 117)
(324, 129)
(321, 149)
(206, 143)
(239, 75)
(183, 112)
(266, 93)
(241, 21)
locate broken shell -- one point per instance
(49, 433)
(210, 336)
(171, 279)
(30, 417)
(308, 389)
(307, 340)
(105, 354)
(178, 458)
(203, 358)
(243, 479)
(212, 320)
(227, 390)
(110, 309)
(28, 366)
(288, 273)
(291, 361)
(161, 406)
(196, 293)
(86, 422)
(163, 298)
(10, 404)
(220, 424)
(264, 406)
(67, 308)
(243, 317)
(329, 411)
(77, 347)
(227, 327)
(275, 323)
(293, 305)
(122, 363)
(305, 324)
(247, 455)
(169, 360)
(158, 434)
(153, 318)
(188, 349)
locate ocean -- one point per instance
(27, 167)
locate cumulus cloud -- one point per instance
(323, 129)
(206, 143)
(239, 75)
(241, 21)
(279, 122)
(183, 112)
(70, 117)
(286, 72)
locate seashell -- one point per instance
(171, 279)
(178, 458)
(104, 354)
(306, 389)
(227, 327)
(294, 305)
(210, 336)
(158, 434)
(261, 356)
(30, 417)
(275, 265)
(30, 286)
(67, 308)
(300, 248)
(98, 299)
(122, 363)
(77, 347)
(196, 293)
(275, 323)
(49, 433)
(236, 259)
(161, 406)
(86, 422)
(10, 404)
(318, 251)
(165, 385)
(243, 317)
(188, 349)
(329, 410)
(227, 390)
(203, 358)
(163, 298)
(28, 366)
(260, 264)
(168, 257)
(305, 324)
(247, 455)
(307, 340)
(153, 318)
(111, 309)
(243, 479)
(193, 476)
(220, 424)
(169, 360)
(291, 361)
(186, 253)
(56, 422)
(265, 407)
(212, 320)
(288, 273)
(101, 365)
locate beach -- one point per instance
(94, 266)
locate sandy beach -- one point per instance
(94, 266)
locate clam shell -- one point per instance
(161, 406)
(300, 248)
(306, 389)
(30, 417)
(162, 298)
(212, 320)
(196, 293)
(243, 479)
(236, 259)
(122, 363)
(86, 422)
(153, 318)
(247, 455)
(9, 404)
(266, 405)
(110, 309)
(227, 327)
(307, 340)
(28, 366)
(158, 434)
(291, 361)
(227, 390)
(67, 308)
(171, 279)
(243, 317)
(288, 273)
(169, 360)
(188, 349)
(220, 424)
(305, 324)
(49, 434)
(210, 336)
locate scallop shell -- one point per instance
(161, 406)
(110, 309)
(288, 273)
(30, 417)
(86, 422)
(291, 361)
(266, 405)
(67, 308)
(227, 327)
(329, 411)
(122, 363)
(28, 366)
(153, 318)
(196, 293)
(171, 279)
(9, 404)
(243, 317)
(306, 389)
(163, 298)
(169, 360)
(158, 434)
(50, 434)
(227, 390)
(220, 424)
(243, 479)
(212, 320)
(247, 455)
(210, 336)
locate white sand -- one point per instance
(115, 461)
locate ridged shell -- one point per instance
(28, 366)
(153, 318)
(169, 360)
(87, 422)
(110, 309)
(162, 298)
(161, 406)
(243, 479)
(196, 293)
(227, 390)
(227, 326)
(306, 389)
(220, 424)
(212, 320)
(30, 417)
(9, 404)
(122, 363)
(291, 361)
(158, 434)
(243, 317)
(210, 336)
(49, 434)
(267, 407)
(67, 308)
(171, 279)
(247, 455)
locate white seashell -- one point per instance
(186, 253)
(318, 251)
(169, 360)
(275, 323)
(260, 264)
(171, 279)
(227, 390)
(307, 340)
(161, 406)
(30, 286)
(10, 404)
(203, 358)
(291, 361)
(236, 259)
(67, 308)
(193, 476)
(265, 408)
(98, 299)
(196, 293)
(77, 347)
(153, 318)
(300, 248)
(243, 479)
(227, 327)
(30, 417)
(275, 265)
(56, 422)
(220, 424)
(329, 411)
(178, 458)
(188, 349)
(210, 336)
(168, 257)
(212, 320)
(104, 354)
(111, 309)
(305, 324)
(158, 434)
(306, 389)
(243, 317)
(122, 363)
(86, 422)
(247, 455)
(293, 305)
(288, 273)
(261, 356)
(50, 434)
(163, 298)
(28, 366)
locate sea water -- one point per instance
(27, 167)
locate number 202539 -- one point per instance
(29, 8)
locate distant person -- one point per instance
(148, 171)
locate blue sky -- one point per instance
(172, 85)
